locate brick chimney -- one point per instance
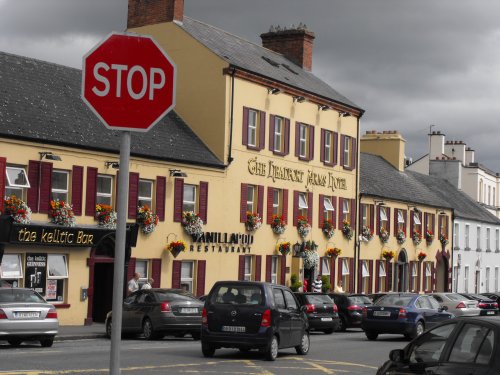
(150, 12)
(296, 44)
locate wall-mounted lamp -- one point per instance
(274, 90)
(322, 107)
(177, 173)
(49, 156)
(297, 249)
(299, 99)
(379, 203)
(344, 114)
(440, 212)
(415, 208)
(112, 164)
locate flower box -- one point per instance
(347, 230)
(421, 256)
(106, 216)
(401, 237)
(429, 236)
(61, 213)
(367, 233)
(388, 254)
(192, 224)
(328, 228)
(384, 235)
(303, 226)
(17, 209)
(416, 237)
(333, 252)
(443, 239)
(147, 219)
(254, 221)
(278, 224)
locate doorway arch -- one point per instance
(401, 272)
(442, 271)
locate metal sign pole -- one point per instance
(119, 264)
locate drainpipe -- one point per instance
(230, 157)
(357, 243)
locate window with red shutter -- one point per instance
(269, 264)
(133, 194)
(243, 203)
(156, 272)
(311, 143)
(279, 134)
(200, 277)
(284, 193)
(258, 267)
(270, 201)
(321, 210)
(254, 128)
(34, 179)
(241, 267)
(45, 187)
(161, 186)
(176, 274)
(90, 197)
(77, 189)
(203, 201)
(178, 199)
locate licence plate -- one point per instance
(233, 329)
(381, 313)
(26, 314)
(490, 313)
(189, 310)
(326, 319)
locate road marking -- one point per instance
(321, 368)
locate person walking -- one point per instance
(133, 283)
(317, 285)
(338, 287)
(148, 284)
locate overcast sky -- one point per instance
(408, 63)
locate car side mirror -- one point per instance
(397, 355)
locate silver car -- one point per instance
(457, 304)
(25, 316)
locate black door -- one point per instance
(284, 318)
(296, 319)
(103, 291)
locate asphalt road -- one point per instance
(339, 353)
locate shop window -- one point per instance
(414, 277)
(104, 194)
(428, 276)
(16, 182)
(187, 271)
(365, 276)
(145, 193)
(189, 201)
(278, 136)
(304, 141)
(382, 276)
(253, 128)
(248, 268)
(60, 185)
(401, 221)
(329, 210)
(383, 219)
(345, 274)
(274, 269)
(57, 278)
(11, 271)
(142, 267)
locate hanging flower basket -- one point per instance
(278, 224)
(421, 256)
(388, 254)
(147, 219)
(310, 246)
(311, 259)
(254, 221)
(284, 248)
(347, 230)
(328, 228)
(429, 237)
(17, 209)
(333, 252)
(401, 237)
(176, 247)
(416, 237)
(366, 233)
(192, 224)
(443, 239)
(106, 216)
(303, 226)
(61, 213)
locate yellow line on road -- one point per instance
(321, 368)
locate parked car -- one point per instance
(457, 304)
(25, 316)
(487, 305)
(461, 346)
(321, 311)
(408, 314)
(375, 296)
(157, 312)
(361, 299)
(253, 315)
(495, 296)
(350, 309)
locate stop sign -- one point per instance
(128, 82)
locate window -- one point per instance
(291, 304)
(253, 124)
(414, 276)
(329, 210)
(328, 147)
(346, 211)
(274, 270)
(467, 237)
(251, 198)
(488, 247)
(141, 266)
(279, 300)
(278, 134)
(16, 182)
(456, 237)
(11, 270)
(303, 206)
(430, 346)
(401, 221)
(487, 281)
(443, 230)
(365, 212)
(495, 285)
(455, 278)
(472, 345)
(60, 183)
(347, 151)
(383, 218)
(277, 202)
(429, 222)
(417, 224)
(497, 239)
(428, 276)
(382, 276)
(481, 191)
(302, 140)
(187, 276)
(104, 190)
(365, 274)
(57, 278)
(345, 274)
(189, 198)
(248, 268)
(489, 194)
(478, 242)
(466, 279)
(325, 266)
(145, 193)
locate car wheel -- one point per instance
(272, 349)
(108, 328)
(207, 350)
(147, 330)
(14, 342)
(47, 343)
(303, 348)
(371, 335)
(418, 330)
(342, 325)
(196, 335)
(328, 331)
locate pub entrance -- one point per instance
(103, 291)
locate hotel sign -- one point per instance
(308, 178)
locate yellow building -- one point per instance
(253, 131)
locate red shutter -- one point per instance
(334, 213)
(297, 139)
(447, 227)
(295, 207)
(379, 222)
(342, 142)
(351, 275)
(388, 212)
(283, 270)
(372, 217)
(433, 221)
(335, 147)
(410, 275)
(354, 153)
(45, 187)
(204, 201)
(243, 203)
(311, 143)
(176, 274)
(333, 281)
(3, 171)
(200, 277)
(322, 146)
(419, 276)
(271, 132)
(285, 205)
(156, 272)
(245, 126)
(258, 267)
(433, 277)
(241, 267)
(340, 213)
(310, 208)
(178, 199)
(370, 284)
(396, 221)
(377, 276)
(412, 223)
(130, 270)
(262, 130)
(321, 212)
(33, 177)
(286, 149)
(360, 277)
(161, 186)
(133, 194)
(353, 214)
(405, 218)
(90, 197)
(260, 201)
(269, 259)
(270, 196)
(77, 189)
(339, 271)
(424, 229)
(388, 276)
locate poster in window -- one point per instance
(51, 289)
(36, 270)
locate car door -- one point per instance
(296, 318)
(127, 311)
(431, 315)
(284, 318)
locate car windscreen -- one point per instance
(238, 295)
(318, 299)
(16, 295)
(456, 297)
(394, 300)
(174, 297)
(356, 300)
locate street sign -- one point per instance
(129, 82)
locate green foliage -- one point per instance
(326, 284)
(295, 284)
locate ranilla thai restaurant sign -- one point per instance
(217, 242)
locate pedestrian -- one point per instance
(148, 284)
(317, 285)
(338, 287)
(133, 283)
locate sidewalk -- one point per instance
(96, 330)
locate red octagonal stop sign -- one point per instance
(129, 82)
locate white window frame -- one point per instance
(456, 235)
(185, 202)
(345, 274)
(251, 206)
(248, 265)
(328, 209)
(328, 146)
(466, 279)
(496, 280)
(61, 191)
(414, 276)
(383, 218)
(364, 215)
(382, 274)
(488, 238)
(16, 189)
(347, 151)
(325, 266)
(487, 279)
(19, 267)
(346, 209)
(478, 234)
(428, 275)
(144, 271)
(104, 194)
(64, 278)
(303, 140)
(253, 124)
(401, 220)
(65, 257)
(144, 199)
(467, 236)
(497, 239)
(416, 219)
(274, 269)
(276, 201)
(303, 207)
(278, 134)
(188, 280)
(365, 276)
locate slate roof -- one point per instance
(252, 57)
(40, 102)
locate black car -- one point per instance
(350, 310)
(487, 305)
(320, 310)
(157, 312)
(466, 345)
(495, 296)
(253, 315)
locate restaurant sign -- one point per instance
(217, 242)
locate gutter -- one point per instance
(229, 156)
(357, 242)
